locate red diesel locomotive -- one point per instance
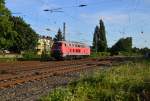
(69, 50)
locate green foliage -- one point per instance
(45, 56)
(59, 36)
(95, 38)
(2, 1)
(99, 38)
(15, 34)
(144, 50)
(128, 82)
(8, 59)
(103, 42)
(26, 38)
(124, 44)
(99, 54)
(30, 55)
(7, 35)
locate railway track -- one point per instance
(19, 66)
(37, 72)
(26, 75)
(37, 69)
(33, 80)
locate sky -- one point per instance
(122, 18)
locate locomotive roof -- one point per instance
(73, 42)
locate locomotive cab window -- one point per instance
(59, 44)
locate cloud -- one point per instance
(147, 1)
(115, 18)
(48, 6)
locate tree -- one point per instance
(144, 50)
(58, 36)
(99, 38)
(102, 42)
(2, 1)
(26, 38)
(15, 33)
(95, 38)
(7, 35)
(135, 50)
(124, 44)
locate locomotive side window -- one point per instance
(78, 50)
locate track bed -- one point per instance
(27, 80)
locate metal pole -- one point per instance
(64, 30)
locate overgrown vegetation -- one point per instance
(99, 54)
(123, 44)
(45, 56)
(8, 59)
(30, 55)
(129, 82)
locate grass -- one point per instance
(129, 82)
(99, 54)
(7, 59)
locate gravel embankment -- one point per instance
(31, 91)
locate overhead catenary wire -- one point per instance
(124, 30)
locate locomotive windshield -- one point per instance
(57, 44)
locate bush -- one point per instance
(45, 56)
(125, 53)
(30, 55)
(99, 54)
(129, 82)
(8, 59)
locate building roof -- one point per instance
(45, 37)
(73, 42)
